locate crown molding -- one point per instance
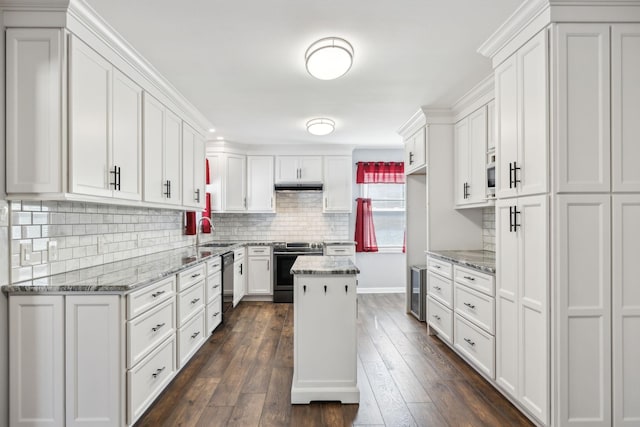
(412, 125)
(479, 95)
(438, 115)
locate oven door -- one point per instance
(283, 279)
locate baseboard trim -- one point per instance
(400, 290)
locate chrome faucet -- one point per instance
(198, 228)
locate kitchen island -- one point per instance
(324, 330)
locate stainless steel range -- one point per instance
(285, 255)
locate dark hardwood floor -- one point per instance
(242, 376)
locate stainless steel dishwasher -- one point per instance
(227, 283)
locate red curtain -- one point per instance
(206, 227)
(380, 173)
(365, 231)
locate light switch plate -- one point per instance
(52, 250)
(25, 254)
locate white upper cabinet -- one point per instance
(228, 182)
(582, 117)
(193, 168)
(90, 121)
(521, 87)
(162, 153)
(338, 182)
(470, 138)
(260, 186)
(625, 107)
(35, 83)
(298, 169)
(415, 151)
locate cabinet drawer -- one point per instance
(191, 276)
(259, 250)
(440, 289)
(476, 307)
(214, 286)
(440, 319)
(189, 302)
(190, 337)
(438, 266)
(475, 344)
(214, 265)
(338, 250)
(145, 332)
(238, 254)
(474, 279)
(149, 378)
(143, 299)
(214, 314)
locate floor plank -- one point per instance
(242, 376)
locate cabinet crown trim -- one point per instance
(479, 95)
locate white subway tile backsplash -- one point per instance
(489, 229)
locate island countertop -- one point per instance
(324, 265)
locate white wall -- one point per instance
(379, 272)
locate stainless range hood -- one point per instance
(299, 187)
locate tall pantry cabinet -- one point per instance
(568, 211)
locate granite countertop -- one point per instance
(121, 276)
(479, 259)
(320, 265)
(339, 242)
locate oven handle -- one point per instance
(297, 253)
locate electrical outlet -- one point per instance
(52, 250)
(101, 242)
(25, 254)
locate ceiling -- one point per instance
(241, 62)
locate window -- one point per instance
(388, 206)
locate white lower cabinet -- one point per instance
(214, 314)
(149, 377)
(239, 275)
(477, 345)
(440, 319)
(190, 337)
(260, 273)
(325, 339)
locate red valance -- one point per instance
(380, 173)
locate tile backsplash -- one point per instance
(489, 229)
(298, 217)
(89, 234)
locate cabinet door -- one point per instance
(583, 290)
(93, 350)
(625, 106)
(338, 182)
(199, 174)
(36, 360)
(626, 309)
(234, 185)
(286, 169)
(172, 157)
(409, 155)
(420, 147)
(533, 308)
(127, 136)
(34, 84)
(461, 141)
(477, 188)
(216, 175)
(188, 149)
(89, 121)
(259, 277)
(583, 115)
(239, 287)
(506, 298)
(153, 122)
(532, 113)
(260, 193)
(491, 125)
(310, 169)
(506, 126)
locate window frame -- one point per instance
(364, 193)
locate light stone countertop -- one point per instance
(322, 265)
(482, 260)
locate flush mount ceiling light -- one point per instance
(329, 58)
(320, 127)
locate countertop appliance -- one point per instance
(285, 254)
(227, 283)
(418, 291)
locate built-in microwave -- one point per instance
(491, 179)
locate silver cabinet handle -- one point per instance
(437, 317)
(157, 327)
(193, 301)
(195, 335)
(157, 294)
(158, 371)
(470, 278)
(469, 305)
(470, 342)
